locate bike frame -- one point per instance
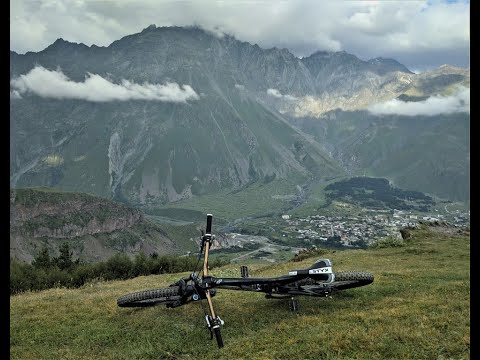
(261, 284)
(318, 280)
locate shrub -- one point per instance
(308, 253)
(19, 280)
(119, 266)
(47, 274)
(140, 265)
(388, 242)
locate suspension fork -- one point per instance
(205, 274)
(213, 321)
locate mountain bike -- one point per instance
(317, 280)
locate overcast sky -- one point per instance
(419, 34)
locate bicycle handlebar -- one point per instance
(209, 224)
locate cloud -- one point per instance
(277, 94)
(274, 92)
(434, 105)
(14, 94)
(238, 86)
(429, 32)
(55, 84)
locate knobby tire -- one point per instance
(350, 279)
(150, 297)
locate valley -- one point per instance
(320, 218)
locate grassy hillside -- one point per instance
(417, 308)
(257, 199)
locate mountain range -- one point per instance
(172, 113)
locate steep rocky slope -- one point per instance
(95, 228)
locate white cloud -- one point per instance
(55, 84)
(238, 86)
(434, 105)
(410, 31)
(274, 92)
(290, 97)
(14, 94)
(278, 94)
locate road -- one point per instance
(272, 248)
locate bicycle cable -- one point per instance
(198, 261)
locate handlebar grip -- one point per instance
(209, 224)
(218, 336)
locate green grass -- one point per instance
(185, 236)
(254, 200)
(418, 307)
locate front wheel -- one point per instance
(168, 296)
(218, 336)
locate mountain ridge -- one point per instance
(239, 130)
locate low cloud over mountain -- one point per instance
(434, 105)
(55, 84)
(278, 94)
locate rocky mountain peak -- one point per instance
(384, 65)
(150, 28)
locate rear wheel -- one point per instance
(150, 297)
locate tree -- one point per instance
(42, 259)
(64, 261)
(140, 265)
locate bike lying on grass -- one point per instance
(317, 280)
